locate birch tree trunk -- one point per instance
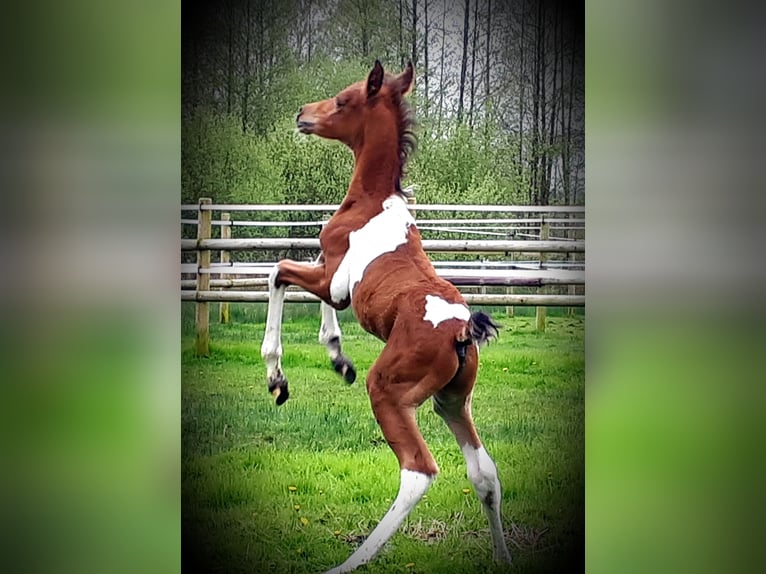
(464, 61)
(486, 64)
(246, 70)
(401, 35)
(473, 62)
(426, 72)
(441, 70)
(522, 85)
(415, 33)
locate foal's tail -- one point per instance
(481, 329)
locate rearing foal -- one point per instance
(373, 259)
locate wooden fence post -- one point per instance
(411, 203)
(223, 309)
(203, 280)
(509, 309)
(572, 289)
(540, 312)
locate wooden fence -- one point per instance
(213, 282)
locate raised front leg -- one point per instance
(271, 349)
(329, 336)
(312, 278)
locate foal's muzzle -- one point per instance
(305, 127)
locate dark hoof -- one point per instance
(345, 368)
(278, 388)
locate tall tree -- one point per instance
(230, 58)
(464, 61)
(261, 71)
(364, 26)
(486, 63)
(538, 103)
(522, 84)
(309, 25)
(246, 71)
(426, 71)
(566, 151)
(415, 33)
(441, 69)
(401, 34)
(548, 151)
(473, 62)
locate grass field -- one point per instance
(295, 488)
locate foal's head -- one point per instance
(376, 102)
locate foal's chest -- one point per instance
(381, 234)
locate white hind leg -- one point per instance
(481, 469)
(482, 473)
(329, 336)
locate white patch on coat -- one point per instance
(438, 310)
(382, 234)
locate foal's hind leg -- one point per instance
(397, 387)
(329, 336)
(454, 406)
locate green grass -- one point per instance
(294, 488)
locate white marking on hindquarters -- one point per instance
(381, 234)
(412, 486)
(438, 310)
(271, 348)
(482, 473)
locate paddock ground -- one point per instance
(294, 488)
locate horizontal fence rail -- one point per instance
(433, 245)
(551, 235)
(417, 206)
(304, 297)
(458, 277)
(250, 223)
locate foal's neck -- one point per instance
(376, 166)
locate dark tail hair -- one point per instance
(481, 330)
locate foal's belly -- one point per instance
(395, 291)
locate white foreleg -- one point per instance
(413, 485)
(271, 349)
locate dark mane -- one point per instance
(407, 139)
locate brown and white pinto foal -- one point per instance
(373, 259)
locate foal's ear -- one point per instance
(375, 79)
(405, 80)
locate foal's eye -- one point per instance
(339, 103)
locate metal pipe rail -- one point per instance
(458, 277)
(304, 297)
(417, 206)
(432, 245)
